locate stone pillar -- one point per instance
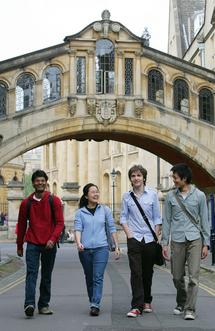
(137, 91)
(15, 196)
(39, 93)
(11, 101)
(120, 72)
(72, 161)
(70, 200)
(93, 162)
(72, 74)
(91, 72)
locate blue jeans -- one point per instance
(94, 262)
(35, 253)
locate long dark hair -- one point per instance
(83, 200)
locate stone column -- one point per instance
(38, 93)
(120, 71)
(15, 196)
(91, 72)
(72, 73)
(72, 161)
(93, 162)
(70, 200)
(137, 91)
(11, 101)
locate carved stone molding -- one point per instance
(91, 106)
(105, 111)
(138, 107)
(120, 107)
(72, 103)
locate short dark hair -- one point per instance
(138, 167)
(183, 171)
(39, 173)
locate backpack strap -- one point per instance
(28, 207)
(51, 202)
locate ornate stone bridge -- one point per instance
(107, 83)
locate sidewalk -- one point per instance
(207, 264)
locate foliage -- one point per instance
(28, 189)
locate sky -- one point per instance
(31, 25)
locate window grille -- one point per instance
(51, 84)
(24, 92)
(206, 105)
(155, 86)
(128, 76)
(3, 98)
(81, 75)
(181, 96)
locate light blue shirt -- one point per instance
(176, 223)
(131, 215)
(92, 227)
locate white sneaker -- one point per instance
(134, 312)
(189, 315)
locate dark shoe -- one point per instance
(45, 311)
(29, 310)
(178, 310)
(94, 311)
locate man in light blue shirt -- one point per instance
(189, 232)
(140, 241)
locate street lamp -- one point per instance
(113, 176)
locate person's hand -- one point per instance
(204, 252)
(117, 253)
(50, 244)
(20, 252)
(165, 253)
(80, 247)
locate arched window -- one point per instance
(24, 92)
(3, 98)
(51, 84)
(181, 96)
(155, 86)
(206, 105)
(104, 67)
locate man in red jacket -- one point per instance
(41, 233)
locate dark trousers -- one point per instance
(141, 261)
(35, 253)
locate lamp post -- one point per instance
(113, 176)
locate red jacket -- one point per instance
(41, 228)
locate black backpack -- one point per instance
(51, 203)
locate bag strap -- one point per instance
(186, 211)
(144, 216)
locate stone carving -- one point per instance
(104, 26)
(72, 102)
(138, 107)
(91, 106)
(105, 111)
(120, 107)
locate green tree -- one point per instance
(28, 188)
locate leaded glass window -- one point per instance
(181, 96)
(51, 84)
(81, 75)
(155, 86)
(206, 105)
(128, 76)
(3, 98)
(24, 92)
(104, 67)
